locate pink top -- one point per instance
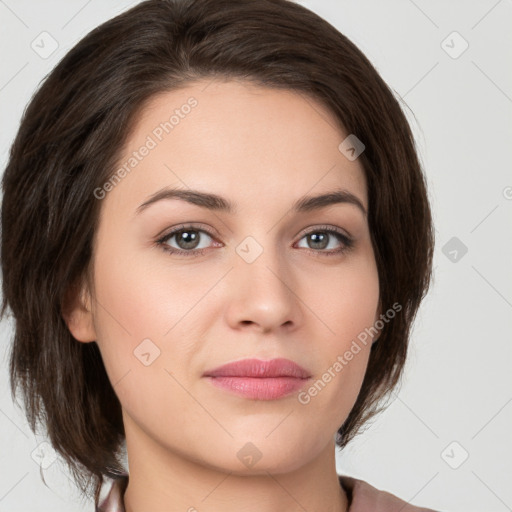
(362, 497)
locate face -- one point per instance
(184, 285)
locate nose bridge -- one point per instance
(260, 256)
(264, 292)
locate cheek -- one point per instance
(140, 320)
(346, 300)
(145, 311)
(141, 297)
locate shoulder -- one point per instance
(363, 497)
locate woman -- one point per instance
(215, 238)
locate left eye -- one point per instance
(321, 239)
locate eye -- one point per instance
(324, 237)
(189, 241)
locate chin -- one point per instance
(255, 455)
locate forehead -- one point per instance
(238, 139)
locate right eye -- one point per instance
(187, 240)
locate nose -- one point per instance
(263, 294)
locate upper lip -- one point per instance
(258, 368)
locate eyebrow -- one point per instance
(221, 204)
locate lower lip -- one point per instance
(259, 388)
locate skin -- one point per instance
(294, 301)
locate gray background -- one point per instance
(456, 397)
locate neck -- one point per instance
(162, 479)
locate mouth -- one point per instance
(259, 380)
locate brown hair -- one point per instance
(68, 144)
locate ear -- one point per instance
(77, 313)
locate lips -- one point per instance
(259, 380)
(257, 368)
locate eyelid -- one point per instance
(187, 225)
(213, 233)
(324, 227)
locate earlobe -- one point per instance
(77, 313)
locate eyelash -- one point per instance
(347, 242)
